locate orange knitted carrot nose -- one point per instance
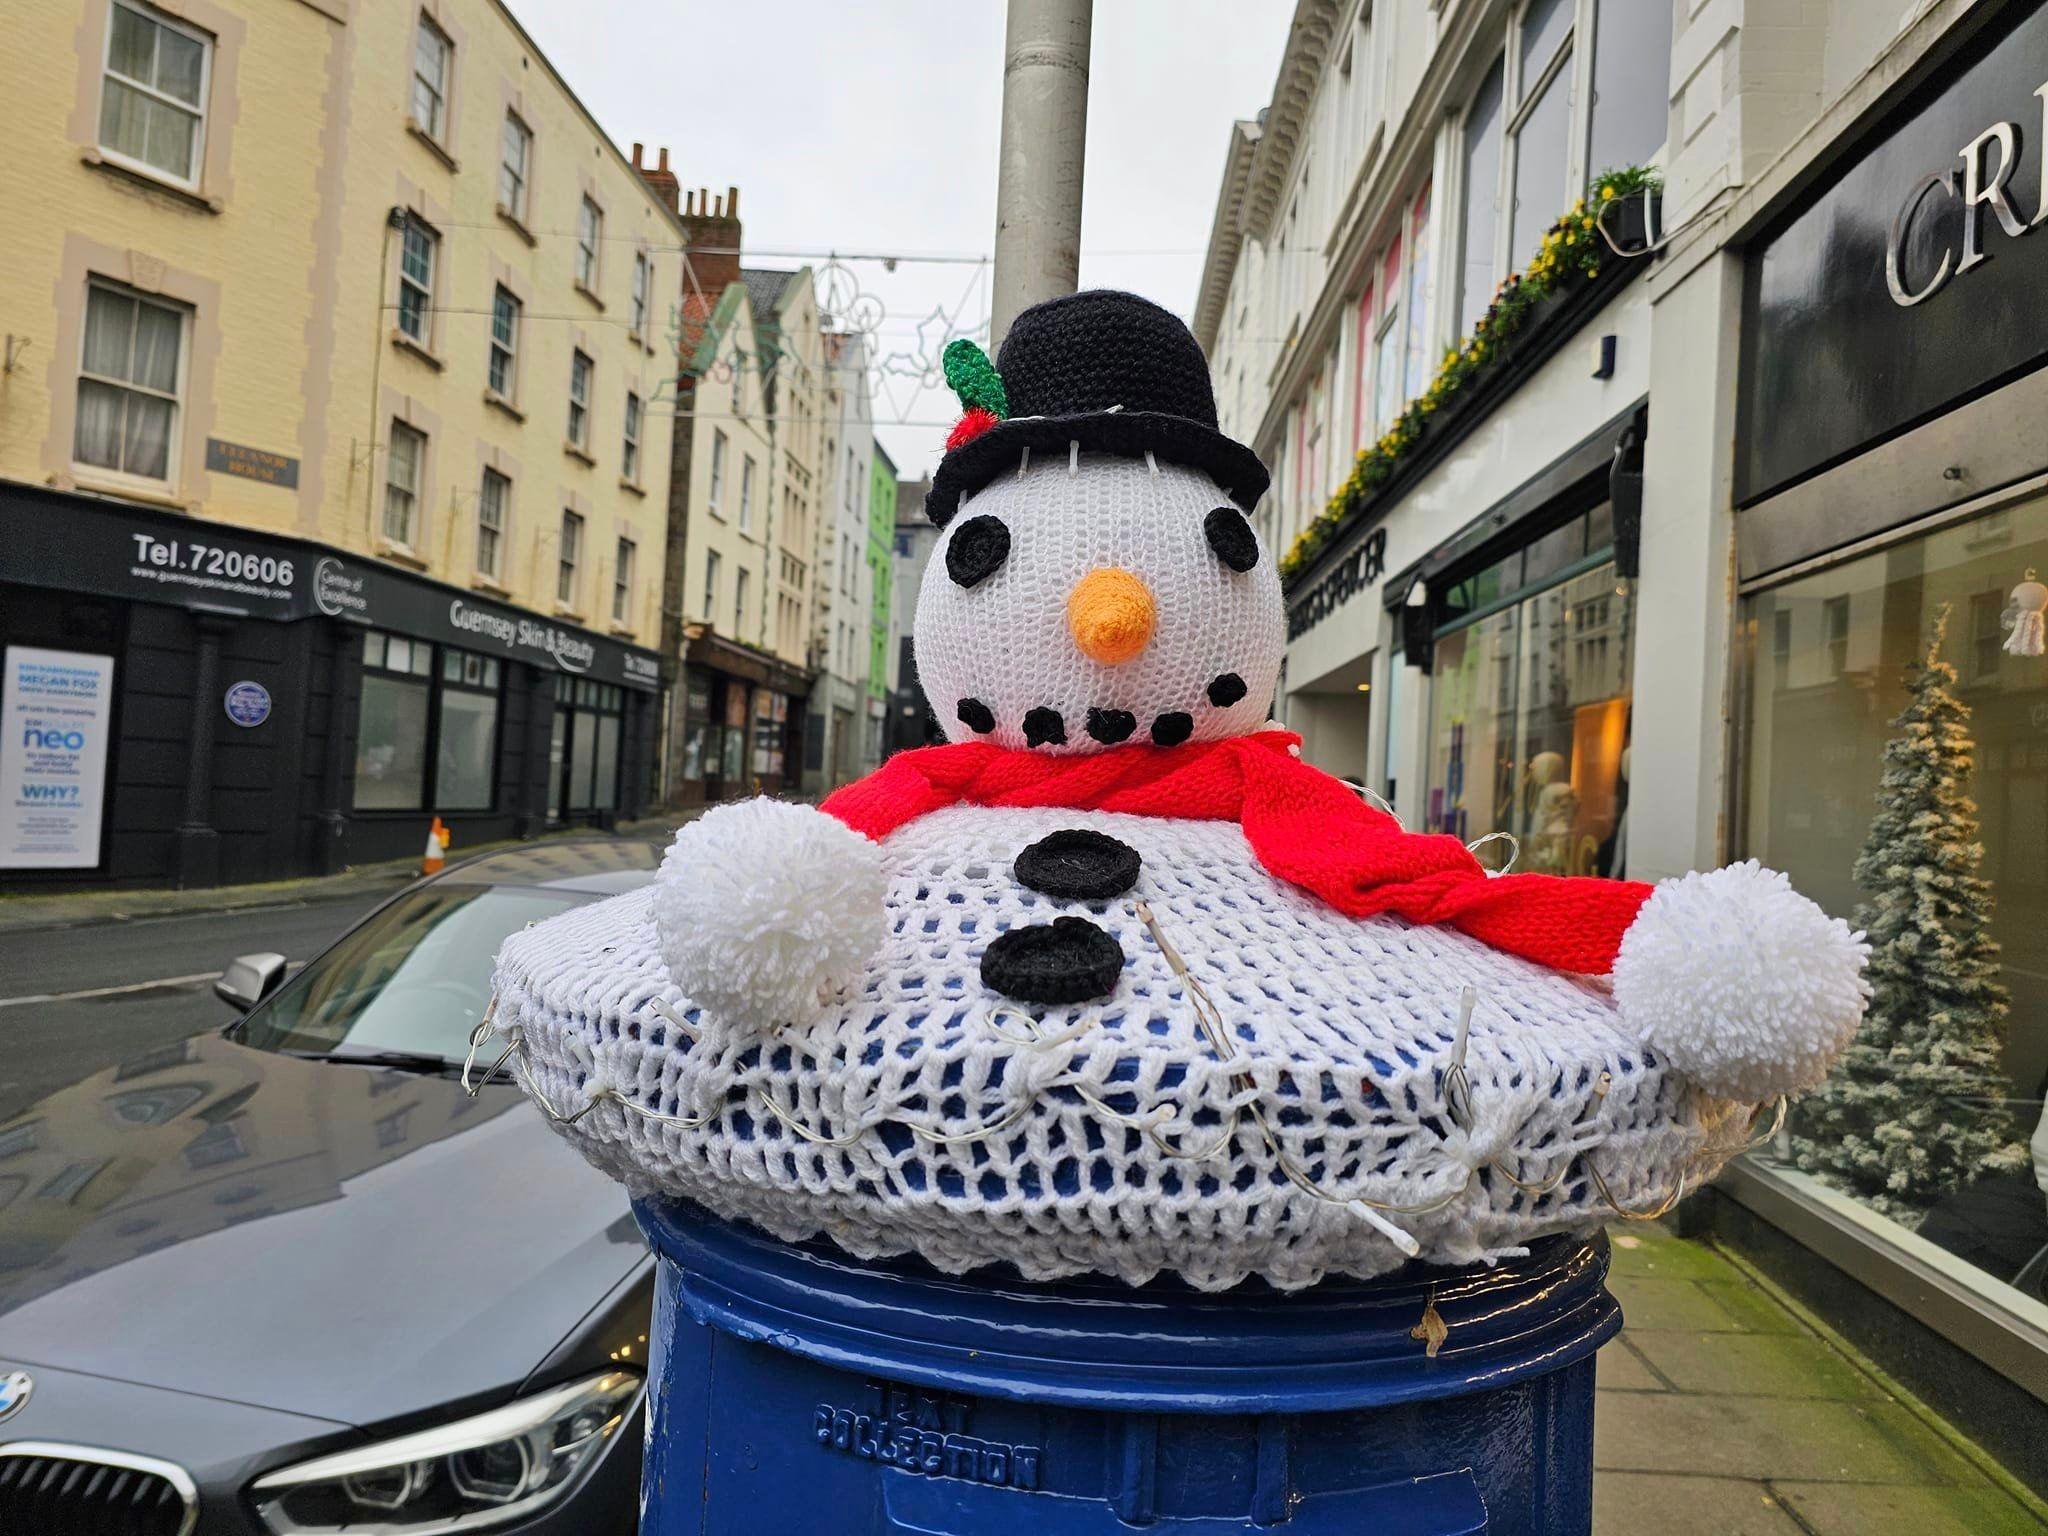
(1112, 615)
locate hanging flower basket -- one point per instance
(1635, 219)
(1568, 259)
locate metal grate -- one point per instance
(72, 1490)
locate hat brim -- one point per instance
(1128, 434)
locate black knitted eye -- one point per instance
(1231, 537)
(977, 549)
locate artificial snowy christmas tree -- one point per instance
(1915, 1109)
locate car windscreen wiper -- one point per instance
(422, 1062)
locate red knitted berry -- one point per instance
(974, 421)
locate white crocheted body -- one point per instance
(1344, 1029)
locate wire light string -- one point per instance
(1160, 1125)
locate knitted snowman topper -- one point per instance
(1115, 981)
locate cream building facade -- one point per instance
(366, 285)
(1645, 593)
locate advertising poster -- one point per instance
(56, 709)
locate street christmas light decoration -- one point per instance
(1113, 981)
(1917, 1108)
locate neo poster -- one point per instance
(56, 709)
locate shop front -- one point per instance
(743, 728)
(1891, 710)
(192, 704)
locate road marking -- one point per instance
(133, 986)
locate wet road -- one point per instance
(74, 1001)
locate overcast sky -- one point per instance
(873, 128)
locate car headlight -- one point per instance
(467, 1476)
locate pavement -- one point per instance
(1726, 1409)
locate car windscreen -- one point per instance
(413, 977)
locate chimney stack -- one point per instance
(659, 178)
(711, 236)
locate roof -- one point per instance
(705, 320)
(764, 287)
(883, 454)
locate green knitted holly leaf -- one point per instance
(974, 378)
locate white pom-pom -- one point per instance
(762, 904)
(1741, 983)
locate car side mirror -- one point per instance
(249, 979)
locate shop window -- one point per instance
(153, 94)
(589, 239)
(418, 247)
(700, 731)
(391, 731)
(130, 380)
(568, 558)
(503, 375)
(733, 743)
(1955, 1073)
(403, 462)
(580, 370)
(491, 504)
(589, 720)
(466, 735)
(771, 728)
(1529, 708)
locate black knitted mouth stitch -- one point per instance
(1068, 960)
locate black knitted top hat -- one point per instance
(1110, 371)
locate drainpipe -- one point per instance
(1038, 177)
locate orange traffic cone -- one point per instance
(436, 854)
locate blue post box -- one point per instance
(795, 1391)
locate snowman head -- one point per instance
(1097, 582)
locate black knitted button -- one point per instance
(1078, 865)
(1226, 689)
(1044, 728)
(1110, 726)
(1172, 728)
(1067, 960)
(977, 549)
(976, 716)
(1232, 539)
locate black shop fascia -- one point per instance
(279, 707)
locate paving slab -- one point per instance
(1652, 1252)
(1649, 1301)
(1803, 1439)
(1751, 1364)
(1636, 1503)
(1848, 1509)
(1620, 1369)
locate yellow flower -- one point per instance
(1607, 193)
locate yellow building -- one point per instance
(339, 370)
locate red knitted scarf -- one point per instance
(1304, 826)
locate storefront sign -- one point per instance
(1912, 281)
(52, 540)
(1362, 568)
(55, 711)
(1988, 163)
(247, 703)
(252, 464)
